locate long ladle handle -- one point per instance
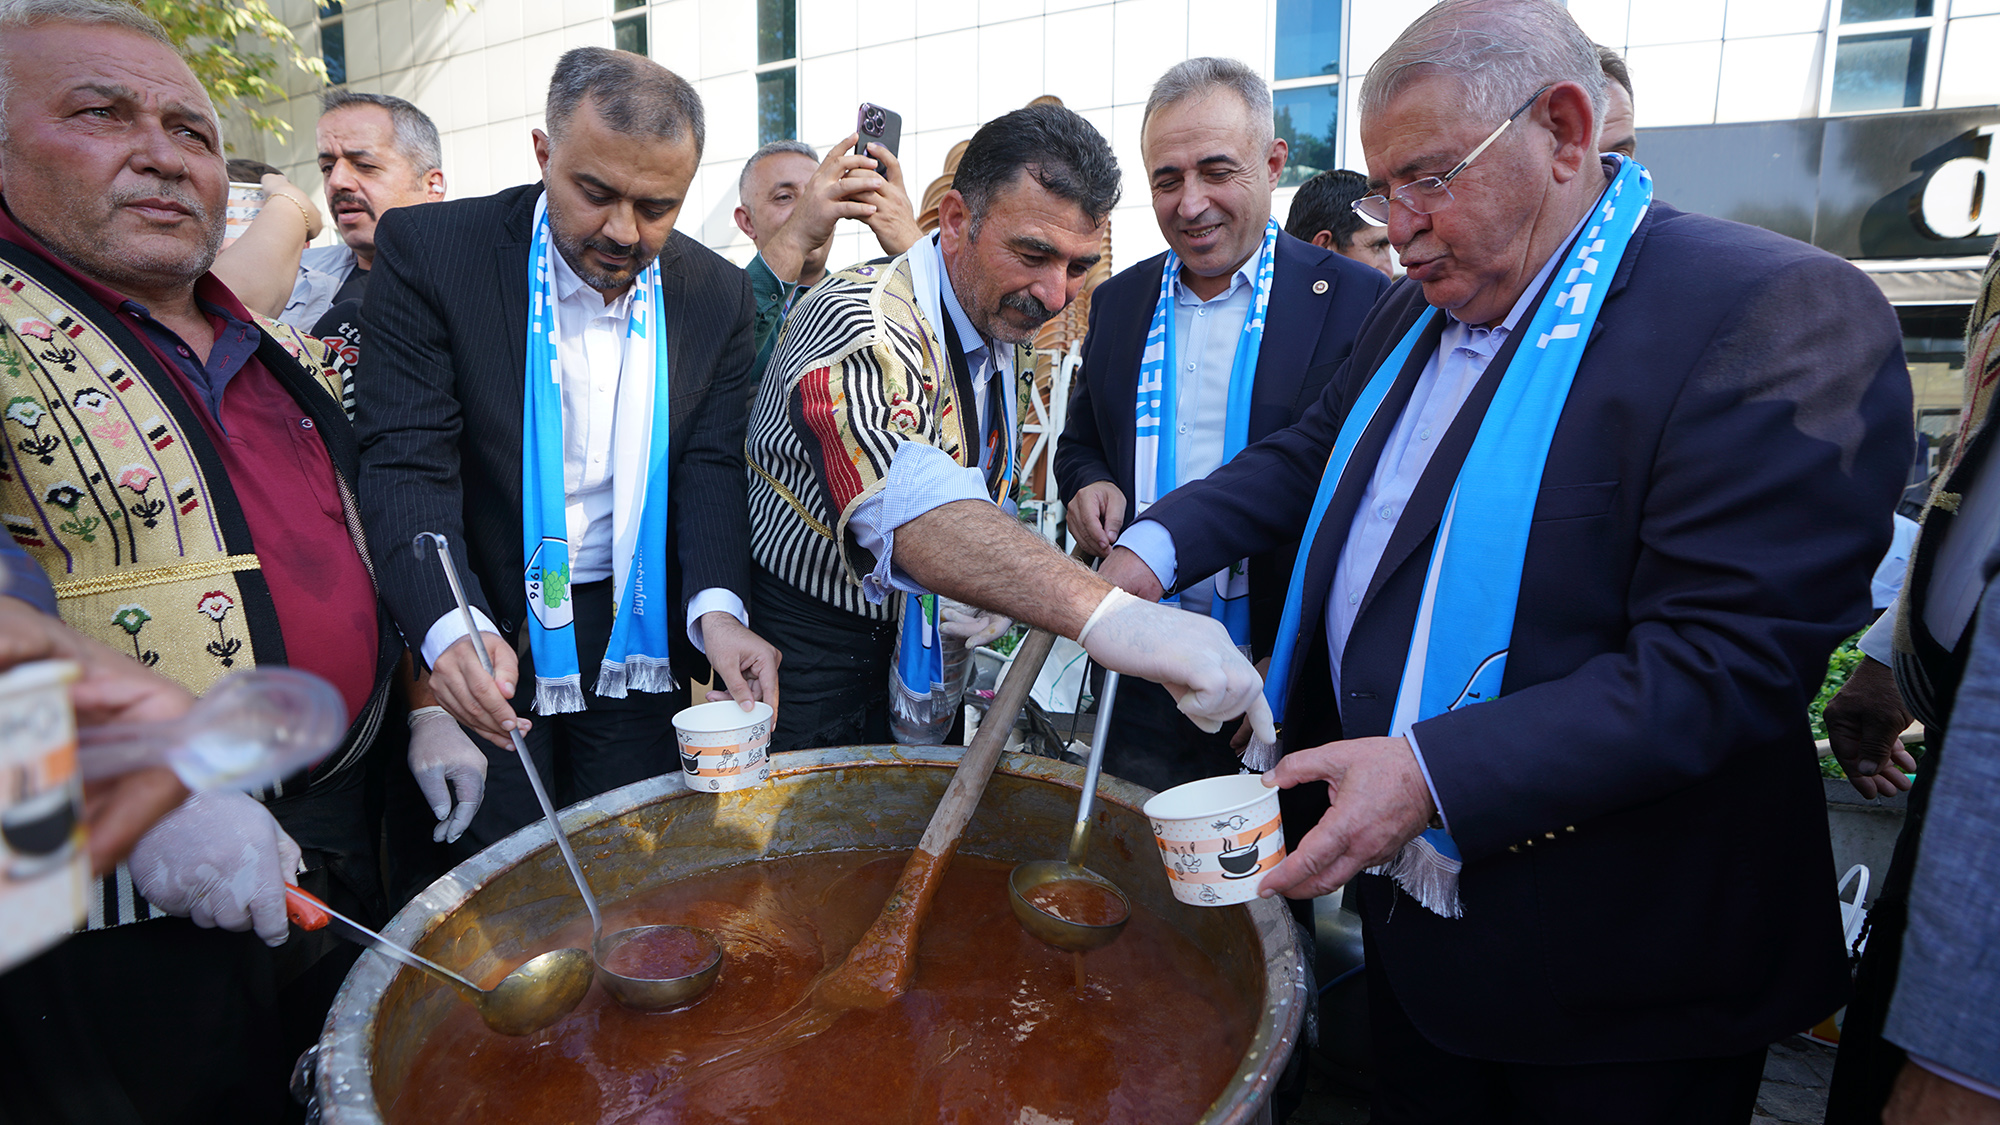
(450, 566)
(1079, 837)
(305, 909)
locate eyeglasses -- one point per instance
(1433, 193)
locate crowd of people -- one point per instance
(1519, 570)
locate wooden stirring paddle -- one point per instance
(878, 968)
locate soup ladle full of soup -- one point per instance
(648, 968)
(1066, 904)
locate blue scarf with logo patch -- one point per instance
(1458, 648)
(636, 658)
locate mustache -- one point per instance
(611, 249)
(340, 197)
(161, 189)
(1028, 306)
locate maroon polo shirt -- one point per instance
(281, 474)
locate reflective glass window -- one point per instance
(777, 30)
(1869, 11)
(1884, 71)
(777, 105)
(1308, 118)
(1308, 39)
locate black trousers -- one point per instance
(1417, 1081)
(612, 742)
(1151, 743)
(834, 683)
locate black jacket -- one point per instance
(439, 409)
(1647, 870)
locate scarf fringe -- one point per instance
(1427, 875)
(636, 673)
(558, 696)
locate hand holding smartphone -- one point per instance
(878, 126)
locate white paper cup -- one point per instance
(44, 867)
(1217, 837)
(724, 747)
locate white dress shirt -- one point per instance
(1206, 334)
(590, 350)
(922, 476)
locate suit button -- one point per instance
(506, 626)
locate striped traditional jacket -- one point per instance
(109, 482)
(859, 371)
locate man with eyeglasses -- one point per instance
(1599, 490)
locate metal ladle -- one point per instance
(533, 996)
(1075, 937)
(640, 993)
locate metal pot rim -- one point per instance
(345, 1089)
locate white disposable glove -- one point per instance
(1188, 654)
(220, 859)
(977, 626)
(449, 769)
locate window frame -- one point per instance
(1337, 81)
(322, 20)
(640, 14)
(759, 71)
(1839, 30)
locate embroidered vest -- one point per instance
(106, 481)
(864, 368)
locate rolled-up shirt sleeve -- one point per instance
(921, 478)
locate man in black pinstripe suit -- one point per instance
(441, 416)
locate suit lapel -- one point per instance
(1426, 507)
(1327, 545)
(683, 385)
(1286, 353)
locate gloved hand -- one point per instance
(977, 626)
(1190, 655)
(220, 859)
(446, 765)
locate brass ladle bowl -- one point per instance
(1063, 933)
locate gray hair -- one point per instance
(1199, 77)
(634, 95)
(1497, 51)
(772, 149)
(416, 133)
(19, 15)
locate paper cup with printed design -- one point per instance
(44, 866)
(1217, 837)
(724, 747)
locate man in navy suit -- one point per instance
(1212, 161)
(1643, 883)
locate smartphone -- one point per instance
(878, 126)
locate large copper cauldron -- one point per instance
(867, 797)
